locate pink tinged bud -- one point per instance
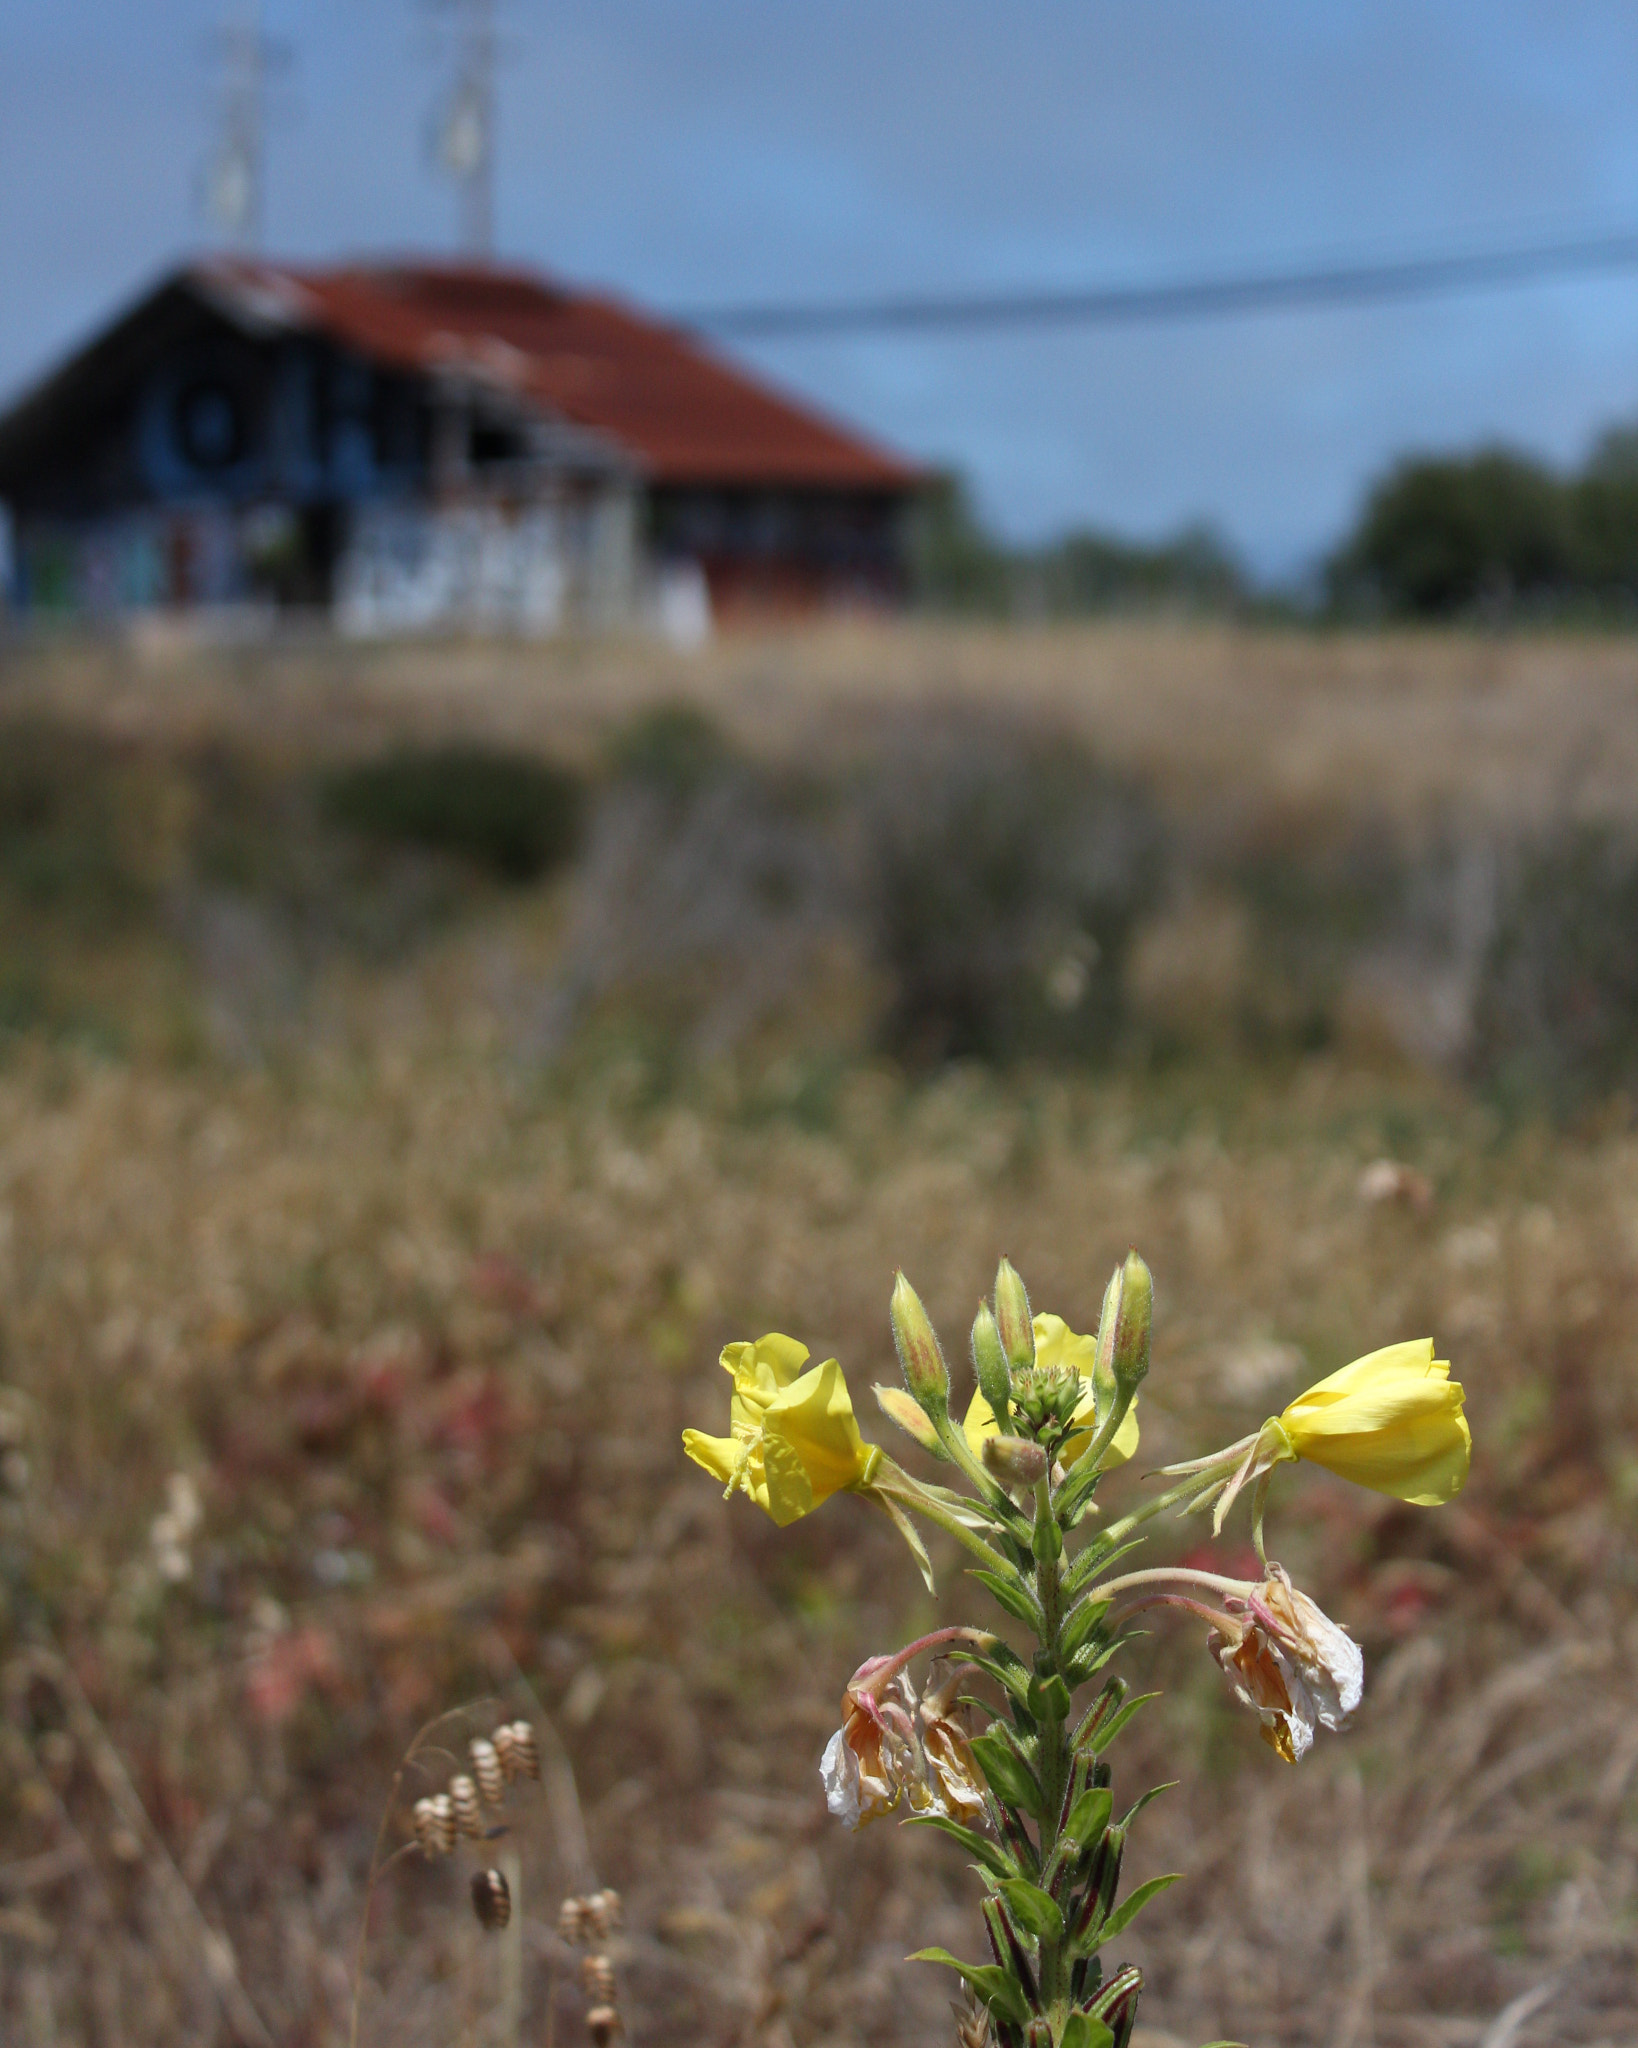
(990, 1365)
(898, 1407)
(1014, 1460)
(1012, 1317)
(920, 1358)
(1123, 1329)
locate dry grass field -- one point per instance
(355, 1285)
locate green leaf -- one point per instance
(994, 1985)
(1118, 1721)
(1154, 1792)
(1092, 1563)
(1132, 1905)
(1034, 1910)
(1012, 1678)
(1006, 1773)
(1081, 1620)
(1016, 1598)
(1089, 1816)
(1081, 2030)
(1049, 1699)
(990, 1854)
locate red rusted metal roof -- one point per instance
(685, 416)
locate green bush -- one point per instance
(510, 813)
(1444, 538)
(1006, 872)
(1556, 1013)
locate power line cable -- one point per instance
(1182, 299)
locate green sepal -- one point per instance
(1016, 1598)
(990, 1854)
(1081, 1620)
(1081, 2030)
(1132, 1905)
(994, 1985)
(1154, 1792)
(1089, 1816)
(912, 1537)
(1034, 1910)
(1049, 1699)
(1007, 1774)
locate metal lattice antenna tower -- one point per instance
(464, 122)
(234, 181)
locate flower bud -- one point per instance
(920, 1359)
(1012, 1316)
(990, 1364)
(1014, 1460)
(898, 1407)
(1123, 1329)
(1137, 1300)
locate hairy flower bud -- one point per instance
(1014, 1460)
(1013, 1319)
(920, 1358)
(1123, 1330)
(990, 1365)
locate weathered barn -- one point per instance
(414, 445)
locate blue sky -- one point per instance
(694, 151)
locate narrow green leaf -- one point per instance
(1081, 1620)
(1016, 1598)
(1049, 1699)
(1154, 1792)
(1012, 1678)
(990, 1854)
(994, 1985)
(1118, 1721)
(1006, 1773)
(1034, 1910)
(1081, 2030)
(1092, 1563)
(1133, 1904)
(1089, 1816)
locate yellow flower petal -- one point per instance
(814, 1415)
(794, 1441)
(718, 1454)
(761, 1369)
(1391, 1421)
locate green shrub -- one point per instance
(510, 813)
(1442, 538)
(1006, 873)
(1556, 1013)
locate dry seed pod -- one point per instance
(463, 1796)
(571, 1920)
(597, 1976)
(434, 1822)
(491, 1899)
(602, 2023)
(525, 1750)
(486, 1768)
(603, 1911)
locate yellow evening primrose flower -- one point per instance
(793, 1439)
(1391, 1421)
(1058, 1348)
